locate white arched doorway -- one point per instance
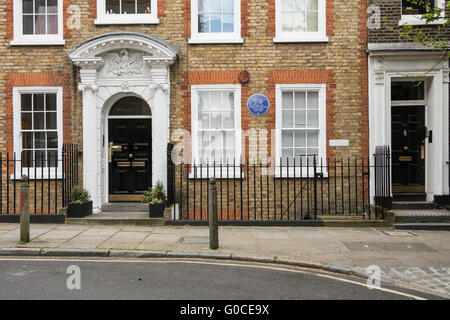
(114, 66)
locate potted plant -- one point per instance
(156, 198)
(80, 204)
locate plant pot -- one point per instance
(156, 210)
(75, 210)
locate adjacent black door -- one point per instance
(129, 157)
(408, 148)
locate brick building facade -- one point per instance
(91, 57)
(409, 100)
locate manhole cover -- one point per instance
(398, 233)
(195, 240)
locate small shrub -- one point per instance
(79, 195)
(155, 195)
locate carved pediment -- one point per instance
(124, 63)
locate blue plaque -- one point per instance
(258, 104)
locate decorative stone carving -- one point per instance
(124, 63)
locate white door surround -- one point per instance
(388, 66)
(113, 66)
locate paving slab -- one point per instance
(124, 240)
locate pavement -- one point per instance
(418, 260)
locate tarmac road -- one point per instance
(45, 279)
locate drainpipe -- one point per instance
(448, 161)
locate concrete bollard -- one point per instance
(24, 211)
(212, 210)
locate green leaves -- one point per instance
(156, 195)
(79, 195)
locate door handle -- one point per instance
(131, 156)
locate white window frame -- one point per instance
(322, 90)
(215, 37)
(232, 172)
(108, 19)
(419, 20)
(36, 39)
(17, 128)
(319, 36)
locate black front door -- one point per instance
(129, 158)
(408, 149)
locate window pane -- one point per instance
(216, 23)
(229, 140)
(228, 6)
(287, 139)
(112, 6)
(216, 120)
(287, 154)
(203, 5)
(203, 23)
(26, 102)
(300, 139)
(40, 27)
(228, 23)
(228, 101)
(298, 21)
(204, 140)
(299, 5)
(203, 100)
(313, 139)
(38, 103)
(27, 6)
(286, 5)
(39, 6)
(39, 140)
(288, 121)
(407, 90)
(286, 19)
(50, 102)
(312, 153)
(143, 6)
(215, 6)
(40, 158)
(128, 6)
(52, 158)
(203, 118)
(28, 22)
(52, 140)
(131, 106)
(287, 100)
(38, 121)
(27, 140)
(312, 5)
(313, 22)
(300, 119)
(52, 6)
(26, 121)
(313, 101)
(52, 24)
(313, 119)
(216, 100)
(300, 100)
(51, 120)
(228, 120)
(27, 159)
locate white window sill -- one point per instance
(299, 173)
(37, 43)
(203, 173)
(126, 20)
(417, 20)
(215, 40)
(297, 40)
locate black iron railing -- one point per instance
(305, 188)
(51, 179)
